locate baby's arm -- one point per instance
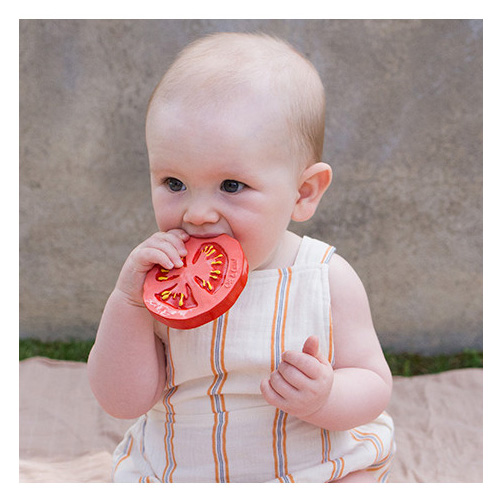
(126, 366)
(359, 387)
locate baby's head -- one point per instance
(225, 68)
(234, 132)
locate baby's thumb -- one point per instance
(311, 346)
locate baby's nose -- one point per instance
(200, 212)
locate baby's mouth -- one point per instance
(205, 235)
(209, 233)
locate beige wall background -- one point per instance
(404, 137)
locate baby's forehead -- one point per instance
(252, 115)
(238, 130)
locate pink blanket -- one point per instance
(66, 437)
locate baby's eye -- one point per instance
(230, 186)
(174, 184)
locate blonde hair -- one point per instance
(222, 66)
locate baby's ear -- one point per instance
(312, 185)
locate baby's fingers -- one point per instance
(153, 255)
(310, 367)
(293, 376)
(270, 394)
(172, 246)
(177, 237)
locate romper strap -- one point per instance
(314, 251)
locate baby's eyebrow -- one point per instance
(162, 169)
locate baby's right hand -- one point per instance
(164, 248)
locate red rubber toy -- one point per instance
(214, 274)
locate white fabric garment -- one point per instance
(212, 423)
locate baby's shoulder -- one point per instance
(339, 267)
(345, 284)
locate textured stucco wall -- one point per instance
(404, 137)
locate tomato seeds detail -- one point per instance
(205, 274)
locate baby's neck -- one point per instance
(286, 252)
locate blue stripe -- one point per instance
(372, 438)
(279, 441)
(326, 456)
(279, 320)
(329, 255)
(338, 468)
(218, 446)
(143, 432)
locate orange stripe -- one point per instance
(285, 310)
(224, 452)
(170, 383)
(284, 443)
(330, 338)
(214, 449)
(212, 359)
(325, 255)
(223, 346)
(214, 443)
(284, 446)
(323, 444)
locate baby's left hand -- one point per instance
(302, 383)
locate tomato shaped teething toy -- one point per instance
(214, 274)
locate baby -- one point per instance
(290, 385)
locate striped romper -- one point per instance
(212, 423)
